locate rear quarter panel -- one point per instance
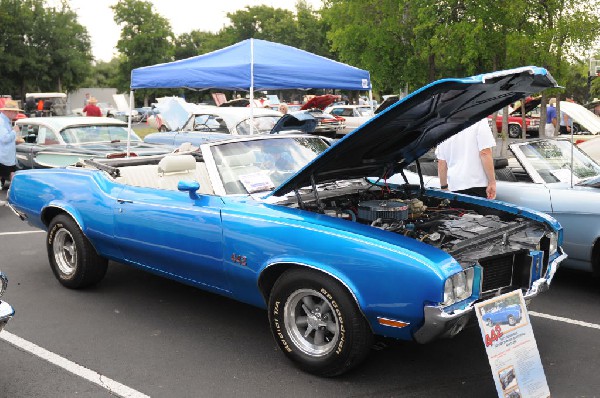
(87, 195)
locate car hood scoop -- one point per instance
(409, 128)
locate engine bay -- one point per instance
(469, 232)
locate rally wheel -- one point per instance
(72, 258)
(511, 320)
(317, 323)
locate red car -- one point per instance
(515, 121)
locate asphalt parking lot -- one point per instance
(136, 334)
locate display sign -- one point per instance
(511, 347)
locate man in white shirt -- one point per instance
(465, 162)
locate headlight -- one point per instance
(553, 245)
(458, 287)
(3, 283)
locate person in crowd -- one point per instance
(465, 162)
(283, 108)
(91, 109)
(8, 141)
(40, 108)
(566, 122)
(86, 100)
(551, 119)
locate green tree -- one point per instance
(146, 39)
(42, 48)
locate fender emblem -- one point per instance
(241, 260)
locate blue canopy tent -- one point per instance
(253, 65)
(250, 65)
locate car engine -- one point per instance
(499, 242)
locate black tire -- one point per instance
(511, 320)
(489, 323)
(514, 131)
(340, 337)
(72, 258)
(163, 129)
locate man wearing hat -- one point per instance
(8, 140)
(91, 109)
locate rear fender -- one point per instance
(55, 208)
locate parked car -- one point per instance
(211, 122)
(63, 140)
(6, 311)
(288, 223)
(515, 123)
(327, 125)
(539, 177)
(354, 115)
(511, 314)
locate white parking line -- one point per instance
(88, 374)
(21, 232)
(567, 320)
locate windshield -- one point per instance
(552, 161)
(262, 165)
(262, 125)
(84, 134)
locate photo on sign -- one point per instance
(504, 312)
(507, 377)
(513, 393)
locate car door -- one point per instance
(171, 233)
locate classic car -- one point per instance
(292, 224)
(354, 115)
(178, 117)
(510, 314)
(539, 177)
(328, 125)
(515, 123)
(6, 311)
(62, 141)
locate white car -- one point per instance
(355, 115)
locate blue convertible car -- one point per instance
(292, 224)
(510, 314)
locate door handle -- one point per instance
(121, 201)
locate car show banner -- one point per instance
(511, 347)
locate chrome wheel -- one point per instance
(312, 325)
(65, 252)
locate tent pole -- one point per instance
(371, 101)
(252, 86)
(129, 121)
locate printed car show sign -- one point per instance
(511, 347)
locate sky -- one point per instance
(184, 15)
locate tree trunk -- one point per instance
(543, 115)
(523, 120)
(504, 133)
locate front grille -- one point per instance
(497, 272)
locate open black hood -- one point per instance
(406, 130)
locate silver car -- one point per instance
(6, 311)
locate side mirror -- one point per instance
(189, 186)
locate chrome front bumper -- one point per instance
(6, 312)
(440, 324)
